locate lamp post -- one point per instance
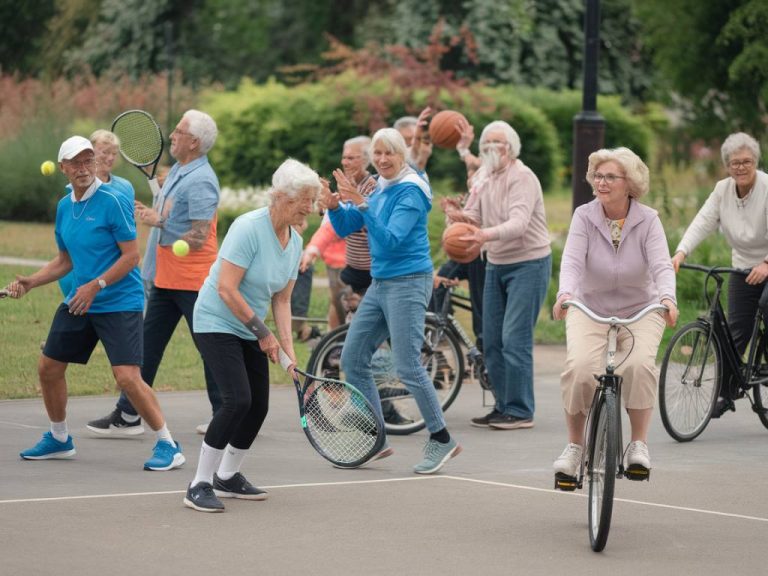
(588, 125)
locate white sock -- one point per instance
(231, 462)
(60, 431)
(207, 465)
(129, 417)
(164, 434)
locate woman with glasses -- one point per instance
(739, 207)
(507, 201)
(616, 261)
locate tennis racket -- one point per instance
(3, 293)
(337, 419)
(141, 143)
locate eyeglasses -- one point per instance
(183, 133)
(609, 179)
(738, 164)
(351, 158)
(77, 164)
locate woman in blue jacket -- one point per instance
(394, 307)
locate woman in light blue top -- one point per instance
(256, 268)
(394, 307)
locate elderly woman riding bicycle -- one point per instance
(616, 261)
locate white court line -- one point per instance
(640, 502)
(407, 479)
(277, 487)
(17, 425)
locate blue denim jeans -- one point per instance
(513, 296)
(394, 308)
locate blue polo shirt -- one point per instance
(89, 231)
(193, 191)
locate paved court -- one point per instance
(491, 511)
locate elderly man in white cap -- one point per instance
(96, 238)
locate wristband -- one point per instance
(258, 327)
(463, 152)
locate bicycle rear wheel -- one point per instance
(689, 383)
(441, 356)
(760, 389)
(602, 469)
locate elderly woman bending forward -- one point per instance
(256, 268)
(616, 261)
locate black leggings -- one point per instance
(743, 301)
(241, 372)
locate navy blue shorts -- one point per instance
(72, 338)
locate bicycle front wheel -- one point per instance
(690, 381)
(602, 469)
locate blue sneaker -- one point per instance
(49, 448)
(165, 456)
(435, 455)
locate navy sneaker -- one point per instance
(165, 456)
(50, 449)
(115, 425)
(201, 498)
(237, 487)
(509, 422)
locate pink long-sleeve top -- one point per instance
(510, 206)
(616, 282)
(326, 243)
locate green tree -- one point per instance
(22, 27)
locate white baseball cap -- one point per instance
(71, 147)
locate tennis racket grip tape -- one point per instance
(285, 360)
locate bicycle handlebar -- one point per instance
(614, 320)
(716, 269)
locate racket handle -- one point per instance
(285, 360)
(3, 293)
(154, 185)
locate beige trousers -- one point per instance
(587, 342)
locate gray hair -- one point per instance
(364, 142)
(202, 127)
(392, 140)
(405, 122)
(291, 177)
(635, 170)
(739, 141)
(105, 136)
(512, 138)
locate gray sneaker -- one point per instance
(436, 454)
(200, 497)
(237, 487)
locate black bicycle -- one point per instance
(701, 364)
(602, 460)
(442, 354)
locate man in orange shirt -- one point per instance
(186, 210)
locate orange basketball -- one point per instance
(460, 250)
(442, 128)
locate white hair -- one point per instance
(291, 177)
(739, 141)
(202, 127)
(105, 136)
(405, 122)
(392, 140)
(513, 140)
(364, 142)
(635, 170)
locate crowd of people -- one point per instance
(374, 242)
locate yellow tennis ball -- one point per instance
(180, 248)
(48, 168)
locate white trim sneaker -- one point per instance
(637, 455)
(569, 461)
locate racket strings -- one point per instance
(340, 421)
(141, 141)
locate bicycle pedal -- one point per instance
(566, 483)
(637, 473)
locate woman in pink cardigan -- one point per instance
(616, 261)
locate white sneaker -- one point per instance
(569, 461)
(202, 428)
(637, 455)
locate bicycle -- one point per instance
(701, 363)
(602, 460)
(442, 354)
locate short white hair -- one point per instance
(291, 177)
(392, 140)
(105, 136)
(405, 122)
(364, 142)
(202, 127)
(739, 141)
(635, 170)
(511, 136)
